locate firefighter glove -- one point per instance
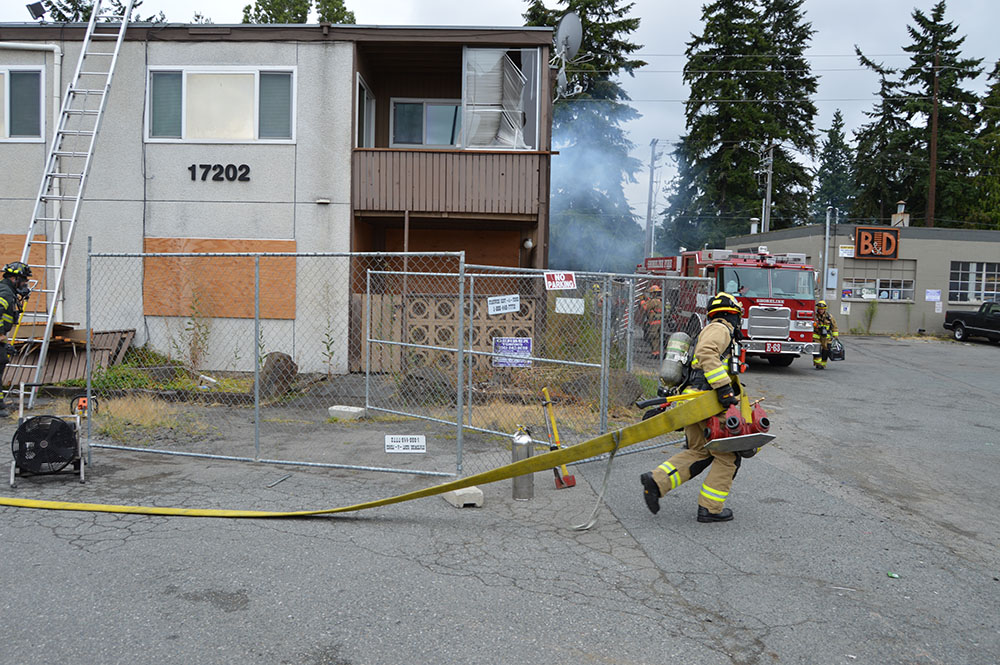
(726, 396)
(8, 351)
(836, 334)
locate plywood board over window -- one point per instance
(11, 246)
(218, 286)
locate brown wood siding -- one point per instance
(452, 181)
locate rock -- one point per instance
(277, 375)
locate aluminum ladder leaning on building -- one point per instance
(66, 168)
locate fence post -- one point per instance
(90, 248)
(605, 353)
(459, 403)
(630, 303)
(257, 357)
(472, 357)
(368, 337)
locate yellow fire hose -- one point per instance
(701, 406)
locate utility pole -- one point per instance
(649, 205)
(932, 179)
(769, 166)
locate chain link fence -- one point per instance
(242, 356)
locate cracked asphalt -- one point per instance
(886, 462)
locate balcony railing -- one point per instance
(447, 181)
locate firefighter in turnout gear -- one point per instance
(713, 351)
(824, 329)
(13, 292)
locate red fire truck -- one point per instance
(776, 290)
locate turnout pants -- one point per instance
(820, 358)
(688, 463)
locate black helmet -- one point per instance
(723, 304)
(17, 269)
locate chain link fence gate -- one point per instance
(240, 356)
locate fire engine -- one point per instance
(776, 291)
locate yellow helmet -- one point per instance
(820, 304)
(723, 303)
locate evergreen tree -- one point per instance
(936, 54)
(882, 173)
(986, 212)
(750, 86)
(834, 180)
(592, 225)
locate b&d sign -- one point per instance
(876, 242)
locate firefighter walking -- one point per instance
(824, 329)
(709, 371)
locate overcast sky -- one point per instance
(877, 26)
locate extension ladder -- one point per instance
(61, 191)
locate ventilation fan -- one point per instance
(45, 445)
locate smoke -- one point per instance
(592, 227)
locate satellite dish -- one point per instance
(569, 36)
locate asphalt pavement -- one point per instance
(884, 463)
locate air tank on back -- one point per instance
(675, 359)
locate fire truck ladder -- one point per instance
(61, 191)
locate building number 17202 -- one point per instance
(221, 172)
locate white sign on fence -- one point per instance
(560, 281)
(569, 306)
(503, 304)
(512, 346)
(405, 443)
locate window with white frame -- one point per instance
(431, 123)
(242, 104)
(20, 104)
(365, 120)
(879, 280)
(974, 281)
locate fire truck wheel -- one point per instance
(780, 361)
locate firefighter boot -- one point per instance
(704, 516)
(650, 492)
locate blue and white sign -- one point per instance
(518, 347)
(503, 304)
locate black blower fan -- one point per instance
(44, 444)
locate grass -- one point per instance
(141, 420)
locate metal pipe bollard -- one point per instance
(523, 487)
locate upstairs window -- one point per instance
(21, 104)
(238, 105)
(431, 123)
(501, 97)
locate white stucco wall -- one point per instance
(139, 189)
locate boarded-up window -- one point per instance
(218, 286)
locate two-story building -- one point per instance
(290, 138)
